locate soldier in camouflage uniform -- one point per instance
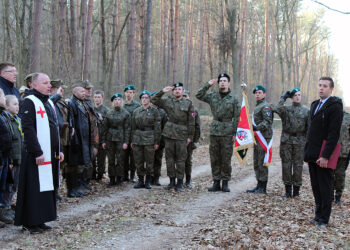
(193, 145)
(158, 154)
(130, 105)
(178, 131)
(145, 134)
(294, 127)
(115, 137)
(102, 110)
(343, 161)
(263, 118)
(225, 108)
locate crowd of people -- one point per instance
(43, 135)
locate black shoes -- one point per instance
(148, 182)
(188, 181)
(296, 190)
(141, 183)
(33, 229)
(216, 187)
(44, 227)
(111, 181)
(288, 193)
(179, 184)
(338, 200)
(225, 187)
(155, 181)
(259, 189)
(119, 181)
(171, 184)
(253, 190)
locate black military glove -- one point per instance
(286, 95)
(254, 128)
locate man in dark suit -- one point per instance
(325, 118)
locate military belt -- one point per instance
(296, 134)
(178, 122)
(146, 128)
(223, 119)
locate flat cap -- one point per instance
(58, 83)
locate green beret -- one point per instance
(145, 92)
(57, 83)
(293, 91)
(259, 87)
(129, 87)
(116, 95)
(178, 84)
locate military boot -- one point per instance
(86, 181)
(225, 187)
(141, 183)
(119, 181)
(188, 181)
(253, 190)
(148, 182)
(71, 191)
(99, 177)
(338, 199)
(156, 181)
(215, 187)
(288, 193)
(171, 184)
(179, 184)
(296, 191)
(58, 196)
(262, 189)
(132, 176)
(111, 181)
(5, 217)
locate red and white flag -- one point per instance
(245, 135)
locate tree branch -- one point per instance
(342, 12)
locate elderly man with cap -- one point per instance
(130, 105)
(115, 138)
(225, 108)
(262, 126)
(294, 127)
(178, 131)
(145, 139)
(193, 144)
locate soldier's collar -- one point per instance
(297, 104)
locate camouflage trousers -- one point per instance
(144, 158)
(115, 154)
(99, 163)
(175, 156)
(292, 156)
(339, 175)
(129, 164)
(261, 172)
(157, 164)
(221, 150)
(188, 163)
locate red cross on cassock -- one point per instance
(41, 112)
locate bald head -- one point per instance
(41, 83)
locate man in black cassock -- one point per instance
(35, 208)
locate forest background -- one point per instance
(154, 43)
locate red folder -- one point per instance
(332, 161)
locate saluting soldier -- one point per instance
(145, 134)
(102, 110)
(343, 161)
(263, 119)
(294, 127)
(158, 154)
(178, 131)
(225, 108)
(193, 145)
(130, 105)
(115, 138)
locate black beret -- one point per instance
(224, 75)
(178, 84)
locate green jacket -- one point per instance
(263, 117)
(102, 110)
(17, 139)
(197, 127)
(130, 107)
(294, 122)
(145, 126)
(344, 138)
(116, 126)
(180, 124)
(225, 110)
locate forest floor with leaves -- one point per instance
(126, 218)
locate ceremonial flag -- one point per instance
(245, 135)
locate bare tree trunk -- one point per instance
(201, 42)
(62, 37)
(54, 37)
(208, 42)
(73, 36)
(35, 48)
(176, 37)
(189, 46)
(10, 50)
(130, 78)
(88, 41)
(103, 44)
(144, 77)
(266, 71)
(82, 25)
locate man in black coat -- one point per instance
(80, 150)
(325, 119)
(8, 77)
(34, 208)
